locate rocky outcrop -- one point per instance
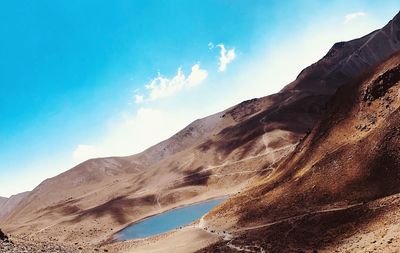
(3, 237)
(382, 84)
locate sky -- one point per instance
(93, 78)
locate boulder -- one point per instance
(3, 237)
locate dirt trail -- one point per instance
(229, 237)
(298, 216)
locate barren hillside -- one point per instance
(340, 184)
(221, 154)
(7, 205)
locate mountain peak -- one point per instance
(347, 58)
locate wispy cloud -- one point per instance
(161, 87)
(197, 76)
(225, 57)
(139, 99)
(352, 16)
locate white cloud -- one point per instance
(131, 133)
(197, 76)
(225, 57)
(83, 152)
(352, 16)
(161, 86)
(139, 99)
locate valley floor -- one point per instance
(359, 227)
(188, 239)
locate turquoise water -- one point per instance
(167, 221)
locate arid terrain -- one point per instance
(311, 168)
(339, 189)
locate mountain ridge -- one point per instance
(204, 160)
(344, 174)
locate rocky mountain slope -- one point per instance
(348, 59)
(3, 200)
(214, 156)
(340, 188)
(7, 205)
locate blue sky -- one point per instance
(72, 72)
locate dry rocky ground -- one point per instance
(9, 247)
(18, 245)
(339, 190)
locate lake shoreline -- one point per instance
(114, 236)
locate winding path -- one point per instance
(230, 237)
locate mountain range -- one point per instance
(312, 167)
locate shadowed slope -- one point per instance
(319, 192)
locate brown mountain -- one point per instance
(339, 190)
(7, 205)
(214, 156)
